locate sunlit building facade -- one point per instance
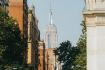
(33, 39)
(41, 62)
(94, 17)
(18, 10)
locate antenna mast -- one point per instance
(51, 14)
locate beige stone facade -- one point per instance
(94, 17)
(46, 58)
(33, 38)
(50, 59)
(41, 63)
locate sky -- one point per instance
(67, 16)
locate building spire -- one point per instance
(51, 13)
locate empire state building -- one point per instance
(51, 43)
(51, 34)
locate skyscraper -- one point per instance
(51, 33)
(51, 36)
(50, 43)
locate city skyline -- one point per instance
(67, 17)
(24, 46)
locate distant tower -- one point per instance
(51, 33)
(94, 17)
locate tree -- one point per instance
(11, 42)
(73, 58)
(80, 63)
(66, 55)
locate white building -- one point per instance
(51, 36)
(94, 16)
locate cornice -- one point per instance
(95, 24)
(91, 12)
(100, 23)
(94, 18)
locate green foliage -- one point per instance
(66, 55)
(80, 63)
(73, 58)
(11, 42)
